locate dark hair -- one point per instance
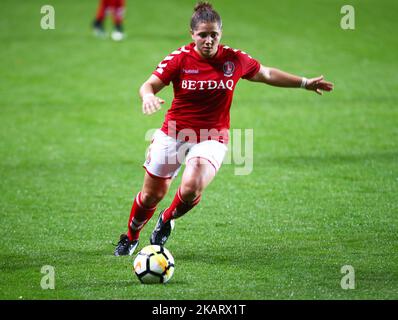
(204, 13)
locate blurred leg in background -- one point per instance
(98, 24)
(118, 15)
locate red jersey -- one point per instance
(203, 90)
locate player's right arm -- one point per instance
(165, 72)
(151, 103)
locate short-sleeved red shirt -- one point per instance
(203, 90)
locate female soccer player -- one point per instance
(204, 75)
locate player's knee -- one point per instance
(151, 198)
(191, 189)
(195, 178)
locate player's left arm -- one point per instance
(279, 78)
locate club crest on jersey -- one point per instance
(228, 68)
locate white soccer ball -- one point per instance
(117, 36)
(154, 264)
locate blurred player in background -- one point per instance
(116, 8)
(204, 74)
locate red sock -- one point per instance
(139, 216)
(118, 12)
(178, 207)
(101, 11)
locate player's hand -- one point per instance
(151, 104)
(318, 85)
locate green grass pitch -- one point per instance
(324, 188)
